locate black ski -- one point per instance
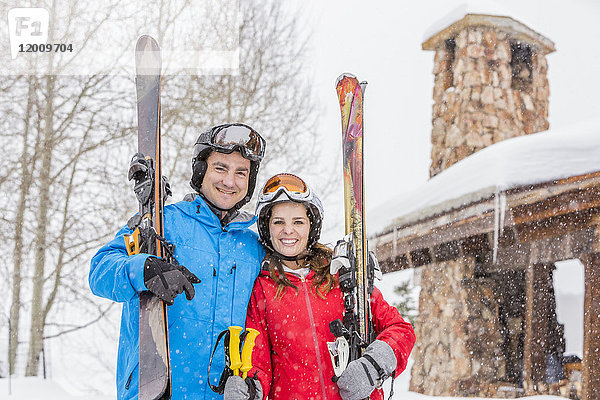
(151, 190)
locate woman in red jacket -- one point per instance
(293, 301)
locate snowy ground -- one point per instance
(37, 388)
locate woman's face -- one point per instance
(289, 227)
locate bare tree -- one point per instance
(59, 114)
(26, 166)
(73, 135)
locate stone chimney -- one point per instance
(490, 85)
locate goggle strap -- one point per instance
(292, 196)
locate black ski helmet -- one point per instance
(288, 187)
(227, 138)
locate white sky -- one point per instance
(380, 42)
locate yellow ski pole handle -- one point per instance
(234, 348)
(132, 242)
(247, 351)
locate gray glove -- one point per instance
(237, 388)
(361, 377)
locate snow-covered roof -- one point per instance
(486, 7)
(516, 162)
(486, 13)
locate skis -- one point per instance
(355, 277)
(151, 190)
(350, 95)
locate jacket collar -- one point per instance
(290, 276)
(196, 207)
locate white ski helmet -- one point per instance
(288, 187)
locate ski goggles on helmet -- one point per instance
(233, 137)
(294, 188)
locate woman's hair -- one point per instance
(317, 259)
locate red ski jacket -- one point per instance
(291, 358)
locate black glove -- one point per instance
(167, 280)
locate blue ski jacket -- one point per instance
(227, 260)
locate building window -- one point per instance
(448, 72)
(520, 63)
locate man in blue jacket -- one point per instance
(221, 258)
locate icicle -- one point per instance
(499, 213)
(496, 224)
(502, 211)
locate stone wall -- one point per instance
(458, 349)
(487, 88)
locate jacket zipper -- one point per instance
(233, 271)
(129, 380)
(315, 340)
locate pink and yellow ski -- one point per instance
(350, 95)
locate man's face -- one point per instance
(226, 180)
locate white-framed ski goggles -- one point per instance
(294, 188)
(233, 137)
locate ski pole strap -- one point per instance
(252, 391)
(220, 388)
(392, 386)
(382, 375)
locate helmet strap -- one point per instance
(297, 257)
(229, 214)
(288, 258)
(216, 209)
